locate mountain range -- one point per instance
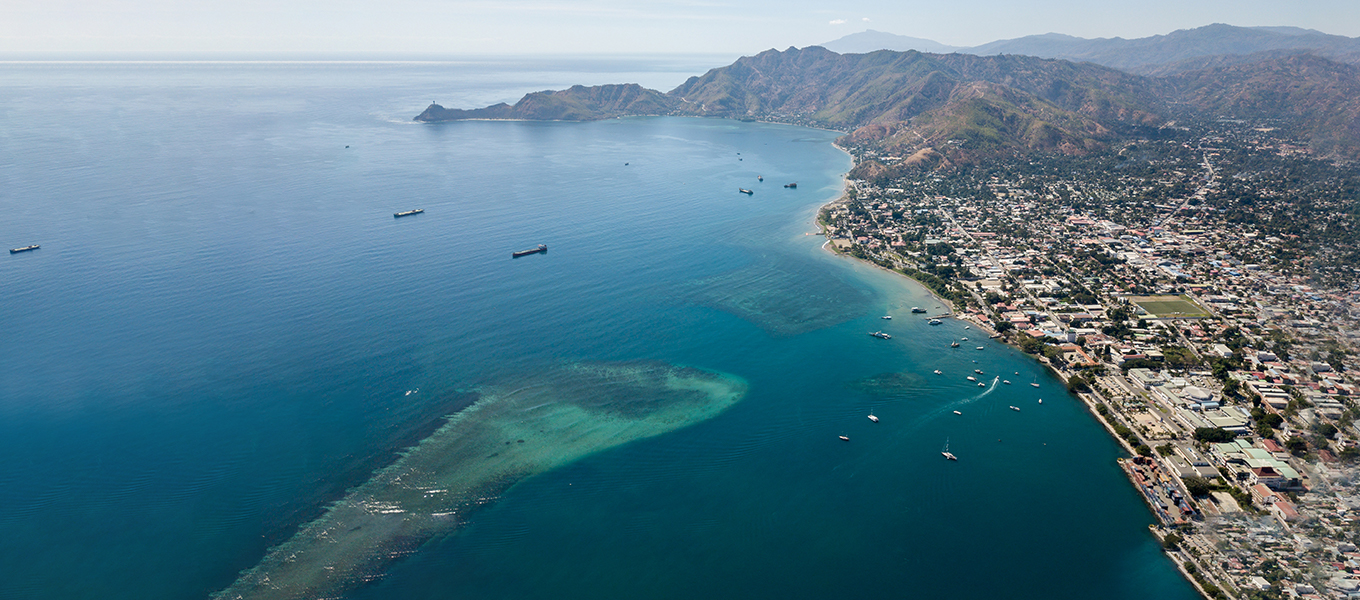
(1180, 50)
(957, 108)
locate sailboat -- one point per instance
(1035, 383)
(947, 454)
(954, 345)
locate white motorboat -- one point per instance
(873, 418)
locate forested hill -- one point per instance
(958, 108)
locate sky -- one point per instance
(499, 27)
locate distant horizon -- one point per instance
(600, 27)
(438, 56)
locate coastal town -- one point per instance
(1197, 290)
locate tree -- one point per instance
(1327, 430)
(1296, 446)
(1198, 486)
(1213, 435)
(1143, 450)
(1165, 450)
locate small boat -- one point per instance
(964, 339)
(873, 418)
(844, 438)
(1041, 401)
(980, 384)
(1006, 381)
(24, 249)
(1015, 408)
(934, 321)
(957, 412)
(939, 372)
(948, 455)
(542, 248)
(886, 317)
(760, 178)
(954, 345)
(917, 310)
(971, 378)
(979, 347)
(880, 335)
(407, 213)
(1035, 383)
(745, 191)
(967, 326)
(978, 371)
(791, 185)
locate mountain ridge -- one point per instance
(949, 109)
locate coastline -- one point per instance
(845, 187)
(1091, 400)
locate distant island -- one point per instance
(951, 109)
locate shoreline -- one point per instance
(1089, 400)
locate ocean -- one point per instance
(228, 354)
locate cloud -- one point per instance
(865, 19)
(838, 22)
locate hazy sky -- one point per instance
(605, 26)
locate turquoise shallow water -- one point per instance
(218, 335)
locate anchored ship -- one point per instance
(408, 213)
(745, 191)
(24, 249)
(542, 248)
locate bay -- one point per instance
(218, 337)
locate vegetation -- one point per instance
(1213, 435)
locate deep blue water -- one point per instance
(218, 333)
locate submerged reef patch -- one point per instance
(784, 295)
(542, 423)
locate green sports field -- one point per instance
(1170, 307)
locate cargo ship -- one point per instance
(745, 191)
(543, 248)
(24, 249)
(791, 185)
(408, 213)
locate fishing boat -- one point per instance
(946, 453)
(791, 185)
